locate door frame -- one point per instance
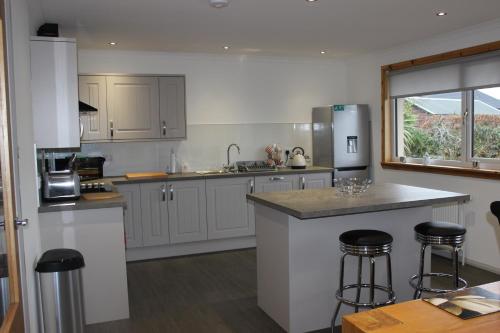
(14, 319)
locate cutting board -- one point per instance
(145, 175)
(101, 195)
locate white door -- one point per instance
(92, 90)
(154, 214)
(315, 180)
(172, 107)
(187, 211)
(132, 214)
(277, 183)
(228, 213)
(133, 107)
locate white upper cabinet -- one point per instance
(133, 107)
(54, 86)
(172, 107)
(92, 90)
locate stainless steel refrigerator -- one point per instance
(341, 139)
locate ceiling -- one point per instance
(267, 27)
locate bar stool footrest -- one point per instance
(391, 296)
(415, 277)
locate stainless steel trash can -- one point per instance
(59, 279)
(4, 287)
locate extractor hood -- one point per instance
(84, 107)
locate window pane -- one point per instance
(430, 124)
(486, 125)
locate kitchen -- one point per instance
(237, 95)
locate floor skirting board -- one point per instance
(175, 250)
(446, 254)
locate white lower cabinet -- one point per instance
(185, 211)
(154, 214)
(187, 208)
(315, 180)
(277, 183)
(132, 215)
(228, 212)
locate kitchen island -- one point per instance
(298, 249)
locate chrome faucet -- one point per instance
(229, 149)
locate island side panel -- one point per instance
(98, 234)
(315, 262)
(272, 237)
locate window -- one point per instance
(430, 124)
(486, 123)
(438, 125)
(445, 107)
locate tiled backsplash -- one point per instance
(205, 147)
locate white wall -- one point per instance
(230, 89)
(251, 101)
(483, 232)
(18, 33)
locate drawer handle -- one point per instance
(251, 186)
(163, 193)
(275, 178)
(303, 182)
(111, 129)
(164, 127)
(171, 192)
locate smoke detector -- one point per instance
(219, 3)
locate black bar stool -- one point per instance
(371, 244)
(438, 233)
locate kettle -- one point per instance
(298, 161)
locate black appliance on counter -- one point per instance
(88, 168)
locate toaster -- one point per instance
(61, 185)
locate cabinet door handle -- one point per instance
(164, 127)
(81, 127)
(171, 192)
(303, 182)
(275, 178)
(251, 186)
(163, 193)
(111, 128)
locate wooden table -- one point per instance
(419, 316)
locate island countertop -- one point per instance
(316, 203)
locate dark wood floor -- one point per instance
(208, 293)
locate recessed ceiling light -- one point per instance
(323, 52)
(218, 3)
(441, 13)
(226, 47)
(112, 43)
(311, 0)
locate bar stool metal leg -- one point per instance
(360, 274)
(341, 284)
(372, 281)
(455, 267)
(389, 271)
(418, 290)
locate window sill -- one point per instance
(445, 170)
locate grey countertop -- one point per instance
(195, 176)
(315, 203)
(121, 180)
(81, 204)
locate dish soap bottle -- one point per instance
(173, 162)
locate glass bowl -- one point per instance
(352, 186)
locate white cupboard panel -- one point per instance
(54, 92)
(154, 214)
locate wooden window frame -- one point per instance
(387, 139)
